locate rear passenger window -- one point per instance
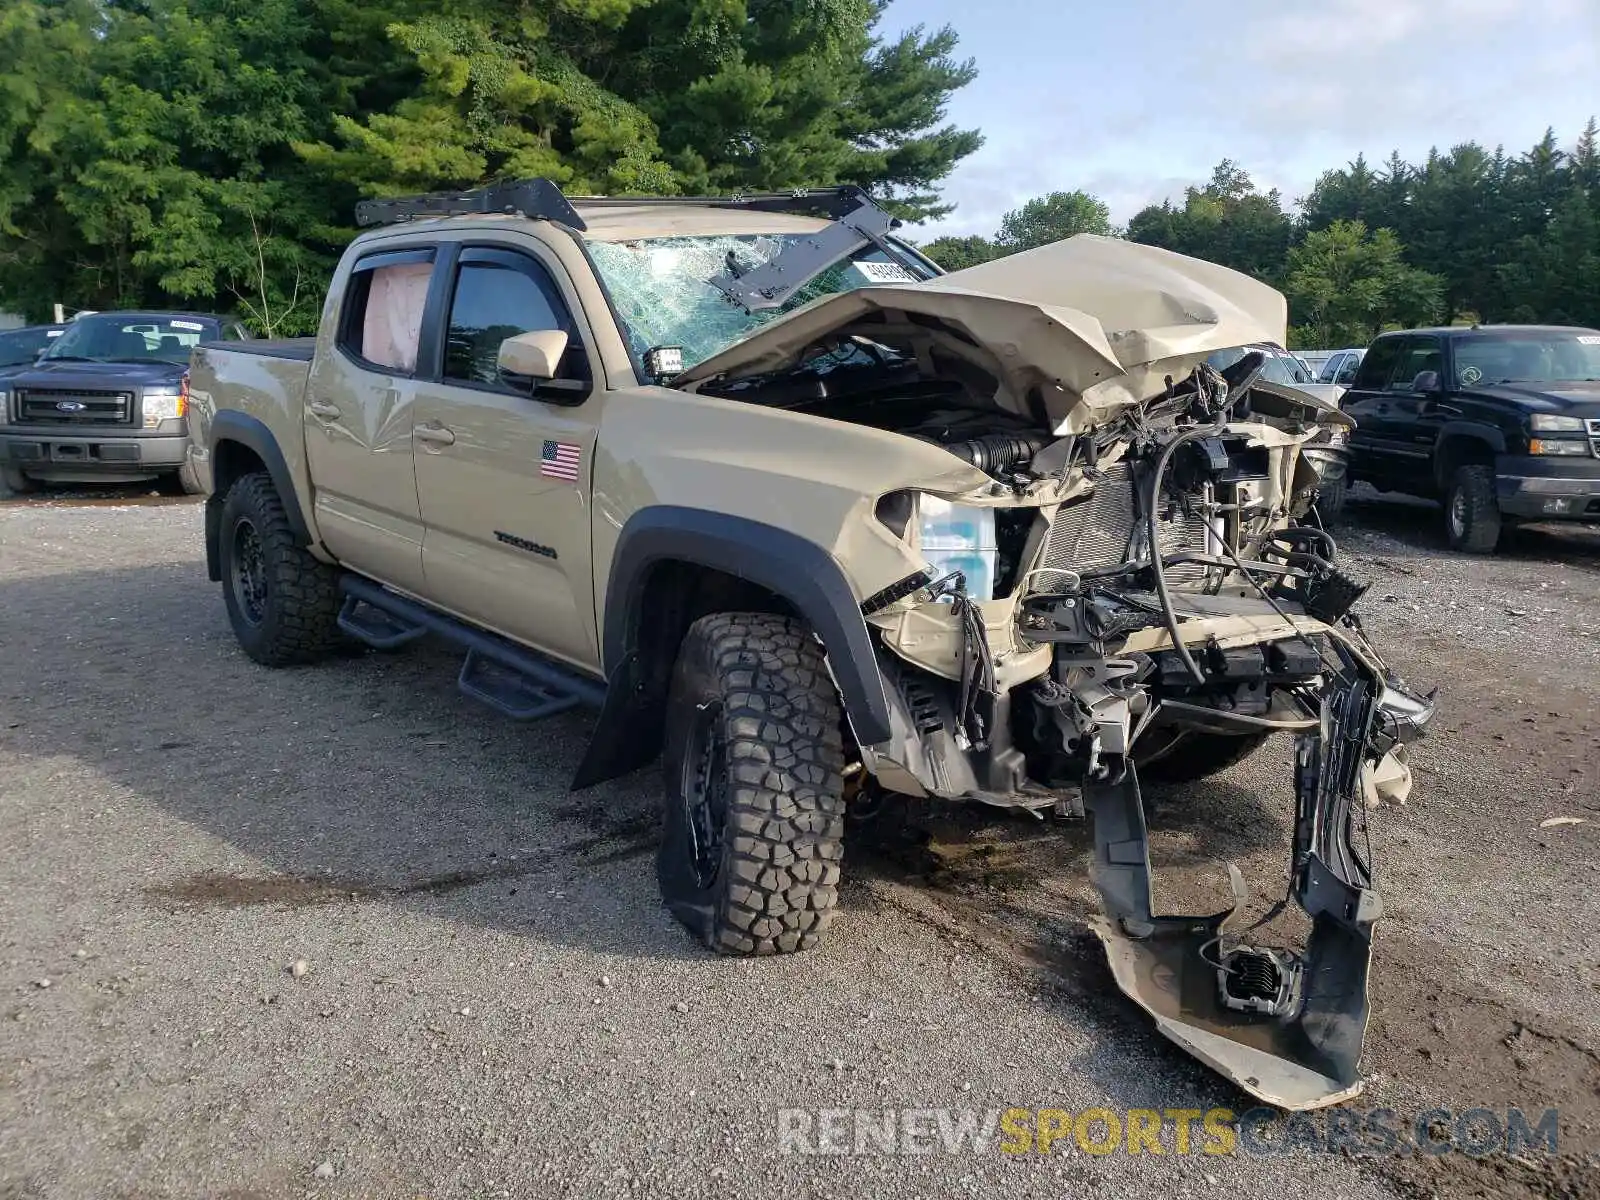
(499, 294)
(1379, 364)
(382, 322)
(1421, 354)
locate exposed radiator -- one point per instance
(1097, 530)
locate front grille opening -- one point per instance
(59, 406)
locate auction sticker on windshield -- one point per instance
(195, 326)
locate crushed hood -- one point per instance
(1096, 323)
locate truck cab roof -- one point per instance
(1458, 331)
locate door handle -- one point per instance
(435, 433)
(320, 409)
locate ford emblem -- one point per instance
(70, 406)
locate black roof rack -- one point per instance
(536, 199)
(831, 202)
(542, 200)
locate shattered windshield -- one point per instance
(664, 297)
(1528, 356)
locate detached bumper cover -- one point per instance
(1299, 1048)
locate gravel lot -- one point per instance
(495, 1002)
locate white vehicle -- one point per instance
(1315, 359)
(1340, 367)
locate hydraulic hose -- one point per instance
(1152, 529)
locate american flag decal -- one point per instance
(560, 460)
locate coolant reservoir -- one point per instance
(960, 537)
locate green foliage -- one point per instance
(1464, 233)
(208, 153)
(1347, 285)
(1227, 221)
(957, 253)
(1040, 221)
(1053, 218)
(1512, 238)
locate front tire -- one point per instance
(283, 603)
(1331, 498)
(753, 826)
(1471, 513)
(18, 483)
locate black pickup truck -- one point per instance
(1500, 422)
(105, 402)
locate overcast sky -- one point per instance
(1134, 100)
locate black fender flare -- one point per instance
(801, 572)
(1476, 431)
(250, 432)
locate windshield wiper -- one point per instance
(772, 283)
(71, 358)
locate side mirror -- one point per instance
(1426, 381)
(532, 355)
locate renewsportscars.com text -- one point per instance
(1478, 1132)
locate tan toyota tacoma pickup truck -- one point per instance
(810, 520)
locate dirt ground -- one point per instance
(495, 1004)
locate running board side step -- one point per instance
(516, 682)
(510, 692)
(375, 627)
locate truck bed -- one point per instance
(298, 349)
(258, 388)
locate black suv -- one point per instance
(1498, 421)
(105, 402)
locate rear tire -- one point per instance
(753, 827)
(18, 483)
(1472, 519)
(1194, 756)
(283, 603)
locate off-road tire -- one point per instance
(17, 483)
(1200, 755)
(1472, 520)
(752, 722)
(296, 619)
(1331, 498)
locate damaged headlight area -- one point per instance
(959, 538)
